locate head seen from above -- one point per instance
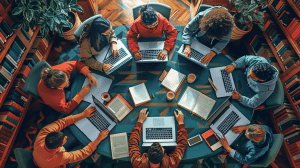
(55, 79)
(255, 132)
(217, 23)
(55, 140)
(262, 72)
(155, 153)
(149, 16)
(100, 26)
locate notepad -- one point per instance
(139, 94)
(119, 145)
(173, 80)
(119, 106)
(196, 102)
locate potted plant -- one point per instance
(247, 13)
(53, 15)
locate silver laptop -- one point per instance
(150, 50)
(225, 120)
(107, 57)
(198, 50)
(103, 118)
(222, 81)
(159, 129)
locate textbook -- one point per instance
(173, 80)
(196, 102)
(119, 145)
(119, 106)
(139, 94)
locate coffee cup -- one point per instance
(106, 97)
(191, 78)
(170, 96)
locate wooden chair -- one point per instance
(163, 9)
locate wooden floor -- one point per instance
(119, 12)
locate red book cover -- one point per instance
(292, 25)
(285, 116)
(5, 133)
(285, 11)
(252, 40)
(2, 37)
(5, 129)
(295, 33)
(2, 145)
(4, 137)
(41, 50)
(3, 141)
(11, 115)
(280, 3)
(290, 130)
(14, 104)
(25, 71)
(284, 111)
(21, 92)
(6, 121)
(268, 24)
(9, 120)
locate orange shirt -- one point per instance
(55, 98)
(54, 158)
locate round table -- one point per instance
(133, 74)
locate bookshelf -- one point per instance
(296, 10)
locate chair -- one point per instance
(24, 158)
(163, 9)
(78, 31)
(33, 79)
(272, 153)
(203, 7)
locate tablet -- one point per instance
(212, 140)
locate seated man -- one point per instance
(260, 141)
(212, 27)
(151, 24)
(261, 78)
(48, 150)
(156, 156)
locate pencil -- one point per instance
(213, 85)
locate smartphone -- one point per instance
(194, 140)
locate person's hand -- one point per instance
(238, 129)
(106, 67)
(92, 79)
(103, 134)
(187, 50)
(206, 59)
(114, 49)
(143, 115)
(85, 90)
(236, 95)
(138, 56)
(162, 55)
(229, 68)
(225, 144)
(179, 117)
(89, 112)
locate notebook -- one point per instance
(139, 94)
(173, 80)
(119, 145)
(119, 106)
(196, 102)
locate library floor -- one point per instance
(120, 13)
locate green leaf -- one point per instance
(250, 18)
(73, 2)
(60, 32)
(53, 5)
(35, 3)
(17, 25)
(18, 10)
(252, 7)
(29, 15)
(261, 27)
(36, 8)
(64, 12)
(48, 14)
(56, 20)
(76, 7)
(40, 22)
(26, 26)
(51, 24)
(44, 30)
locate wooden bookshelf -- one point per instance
(293, 5)
(49, 47)
(4, 11)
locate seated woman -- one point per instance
(55, 80)
(260, 141)
(95, 36)
(151, 24)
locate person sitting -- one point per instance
(48, 150)
(151, 24)
(94, 37)
(55, 80)
(260, 141)
(211, 27)
(156, 157)
(261, 78)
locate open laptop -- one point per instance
(103, 118)
(159, 129)
(198, 50)
(107, 57)
(222, 81)
(150, 50)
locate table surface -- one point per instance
(133, 74)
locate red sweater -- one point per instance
(139, 29)
(55, 98)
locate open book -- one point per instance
(119, 145)
(119, 106)
(173, 80)
(196, 102)
(139, 94)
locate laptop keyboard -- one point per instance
(99, 121)
(158, 133)
(226, 81)
(228, 123)
(150, 54)
(111, 60)
(196, 55)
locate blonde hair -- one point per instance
(255, 132)
(53, 78)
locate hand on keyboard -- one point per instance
(206, 59)
(238, 129)
(162, 55)
(85, 90)
(106, 67)
(187, 50)
(103, 134)
(236, 95)
(89, 112)
(138, 56)
(114, 49)
(143, 115)
(229, 68)
(225, 144)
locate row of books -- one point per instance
(293, 87)
(40, 46)
(10, 63)
(297, 3)
(28, 34)
(5, 3)
(5, 33)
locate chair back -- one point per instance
(163, 9)
(24, 158)
(277, 97)
(78, 31)
(33, 79)
(203, 7)
(272, 153)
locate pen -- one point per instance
(213, 85)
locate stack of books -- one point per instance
(276, 5)
(5, 33)
(40, 46)
(5, 3)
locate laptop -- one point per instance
(103, 118)
(150, 50)
(222, 81)
(228, 117)
(107, 57)
(198, 50)
(159, 129)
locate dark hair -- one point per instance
(217, 23)
(155, 153)
(149, 15)
(98, 26)
(263, 71)
(54, 140)
(53, 78)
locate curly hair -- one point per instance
(263, 71)
(149, 15)
(255, 132)
(155, 153)
(217, 23)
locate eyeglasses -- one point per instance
(153, 25)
